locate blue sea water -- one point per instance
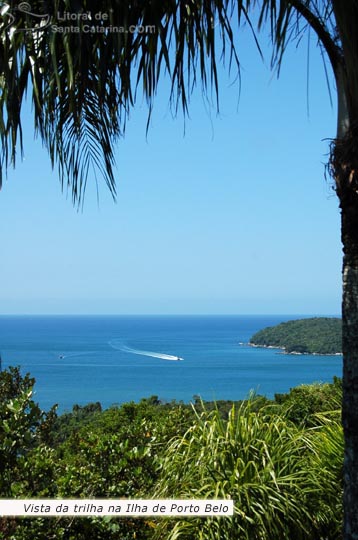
(115, 359)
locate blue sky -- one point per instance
(234, 217)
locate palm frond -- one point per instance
(83, 83)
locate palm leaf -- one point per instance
(83, 84)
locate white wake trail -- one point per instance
(64, 355)
(120, 347)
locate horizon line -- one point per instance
(168, 314)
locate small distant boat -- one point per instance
(61, 356)
(179, 358)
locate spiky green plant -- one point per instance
(326, 464)
(266, 464)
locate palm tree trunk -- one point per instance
(350, 372)
(345, 169)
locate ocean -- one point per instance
(116, 359)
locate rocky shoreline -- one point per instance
(294, 353)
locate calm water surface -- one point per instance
(114, 359)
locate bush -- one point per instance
(266, 464)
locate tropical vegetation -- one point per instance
(318, 335)
(280, 460)
(83, 84)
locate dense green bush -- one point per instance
(303, 402)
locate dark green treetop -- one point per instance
(318, 335)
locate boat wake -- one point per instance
(120, 347)
(62, 356)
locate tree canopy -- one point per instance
(317, 335)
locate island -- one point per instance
(317, 335)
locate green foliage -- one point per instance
(270, 467)
(285, 478)
(26, 462)
(23, 426)
(116, 419)
(69, 421)
(318, 335)
(303, 402)
(326, 463)
(224, 406)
